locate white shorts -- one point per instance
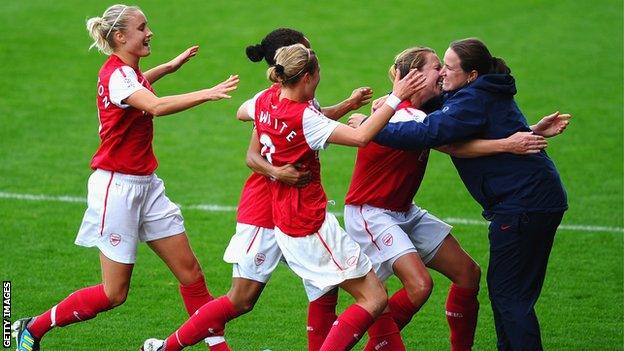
(253, 252)
(386, 235)
(323, 259)
(125, 209)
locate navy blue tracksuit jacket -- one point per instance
(485, 109)
(521, 195)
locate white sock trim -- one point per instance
(53, 316)
(214, 340)
(178, 339)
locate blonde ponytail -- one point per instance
(291, 63)
(101, 28)
(96, 28)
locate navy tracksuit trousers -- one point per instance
(519, 249)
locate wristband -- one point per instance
(393, 101)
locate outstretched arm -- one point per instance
(359, 97)
(362, 135)
(461, 118)
(288, 174)
(145, 100)
(158, 72)
(520, 143)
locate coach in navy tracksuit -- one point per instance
(521, 195)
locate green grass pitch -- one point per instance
(565, 55)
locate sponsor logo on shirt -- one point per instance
(129, 83)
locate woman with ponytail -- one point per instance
(286, 36)
(522, 195)
(254, 215)
(126, 199)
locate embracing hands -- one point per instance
(524, 143)
(551, 125)
(293, 175)
(413, 82)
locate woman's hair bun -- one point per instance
(255, 52)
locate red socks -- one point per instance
(79, 306)
(402, 308)
(321, 317)
(462, 309)
(347, 329)
(384, 335)
(209, 320)
(196, 295)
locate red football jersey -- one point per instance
(292, 133)
(388, 178)
(255, 206)
(125, 132)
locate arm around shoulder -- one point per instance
(287, 174)
(520, 143)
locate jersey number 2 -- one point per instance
(268, 148)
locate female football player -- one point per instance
(126, 199)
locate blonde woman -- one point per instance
(126, 199)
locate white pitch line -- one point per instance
(31, 197)
(210, 208)
(221, 208)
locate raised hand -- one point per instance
(220, 90)
(551, 125)
(183, 58)
(408, 85)
(360, 97)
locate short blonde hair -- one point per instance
(115, 18)
(409, 59)
(291, 63)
